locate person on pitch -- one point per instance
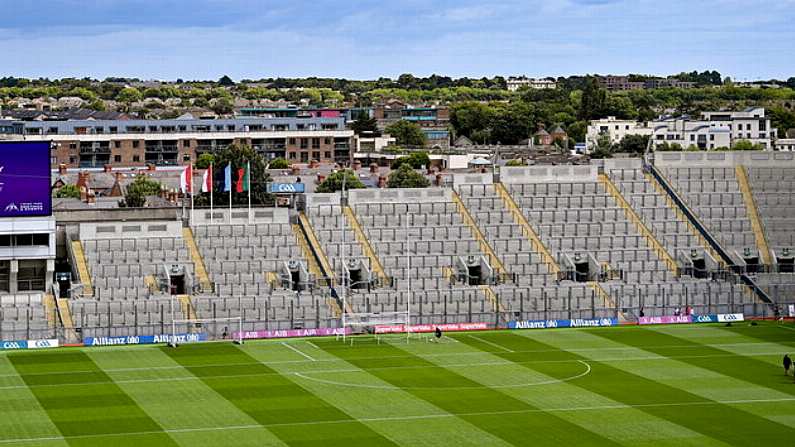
(787, 363)
(438, 333)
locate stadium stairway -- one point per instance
(187, 307)
(67, 322)
(82, 267)
(198, 262)
(49, 309)
(367, 249)
(751, 287)
(494, 261)
(491, 297)
(527, 230)
(607, 300)
(319, 264)
(151, 283)
(753, 215)
(682, 218)
(654, 244)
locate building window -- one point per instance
(71, 160)
(292, 155)
(316, 155)
(186, 157)
(72, 145)
(136, 158)
(304, 143)
(711, 137)
(117, 144)
(135, 143)
(117, 158)
(315, 143)
(327, 140)
(328, 154)
(291, 141)
(186, 143)
(692, 137)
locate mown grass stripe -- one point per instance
(101, 408)
(398, 415)
(180, 405)
(742, 368)
(21, 415)
(270, 398)
(726, 423)
(465, 396)
(614, 420)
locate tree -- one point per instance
(226, 81)
(137, 191)
(67, 192)
(417, 160)
(278, 163)
(238, 156)
(604, 148)
(633, 144)
(364, 124)
(515, 162)
(745, 145)
(407, 133)
(791, 82)
(470, 117)
(333, 182)
(204, 161)
(129, 95)
(406, 177)
(223, 106)
(593, 100)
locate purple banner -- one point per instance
(666, 319)
(25, 179)
(292, 333)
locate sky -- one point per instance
(205, 39)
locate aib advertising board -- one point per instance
(25, 179)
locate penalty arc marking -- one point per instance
(454, 388)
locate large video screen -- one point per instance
(25, 179)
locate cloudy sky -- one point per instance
(203, 39)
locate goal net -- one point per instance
(376, 326)
(224, 328)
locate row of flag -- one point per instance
(242, 184)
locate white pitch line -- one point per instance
(312, 345)
(299, 351)
(491, 343)
(404, 418)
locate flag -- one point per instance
(186, 180)
(228, 178)
(207, 180)
(243, 179)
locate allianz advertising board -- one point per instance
(25, 179)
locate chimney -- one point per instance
(62, 169)
(107, 168)
(83, 193)
(83, 179)
(438, 179)
(374, 168)
(381, 181)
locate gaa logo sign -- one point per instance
(14, 345)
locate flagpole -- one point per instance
(230, 189)
(211, 187)
(248, 174)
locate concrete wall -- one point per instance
(259, 215)
(29, 225)
(412, 195)
(724, 159)
(549, 174)
(130, 230)
(472, 179)
(317, 199)
(622, 163)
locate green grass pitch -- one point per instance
(693, 385)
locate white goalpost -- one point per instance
(234, 324)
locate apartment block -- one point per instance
(514, 83)
(615, 129)
(95, 143)
(433, 120)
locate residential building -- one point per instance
(712, 131)
(514, 83)
(615, 129)
(613, 83)
(95, 143)
(434, 120)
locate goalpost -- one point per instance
(234, 324)
(392, 323)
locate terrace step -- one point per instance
(313, 250)
(65, 313)
(753, 215)
(198, 262)
(367, 249)
(485, 247)
(82, 268)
